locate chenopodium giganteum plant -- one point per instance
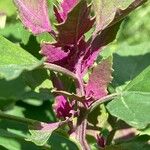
(73, 56)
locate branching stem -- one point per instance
(60, 69)
(102, 100)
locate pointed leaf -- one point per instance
(77, 23)
(66, 7)
(101, 40)
(99, 80)
(111, 11)
(34, 15)
(40, 133)
(109, 15)
(14, 60)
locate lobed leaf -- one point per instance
(99, 80)
(34, 15)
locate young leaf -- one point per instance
(66, 7)
(15, 60)
(40, 133)
(77, 23)
(99, 80)
(62, 107)
(34, 15)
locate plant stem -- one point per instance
(81, 135)
(69, 95)
(102, 100)
(82, 119)
(60, 69)
(18, 119)
(113, 123)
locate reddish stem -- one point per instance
(82, 119)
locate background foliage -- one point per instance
(27, 94)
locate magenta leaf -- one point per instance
(41, 132)
(99, 79)
(54, 54)
(65, 8)
(34, 15)
(62, 107)
(101, 141)
(105, 37)
(67, 56)
(77, 23)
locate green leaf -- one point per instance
(139, 20)
(12, 141)
(34, 88)
(129, 146)
(40, 133)
(109, 12)
(141, 82)
(133, 104)
(58, 141)
(129, 61)
(133, 108)
(14, 60)
(145, 131)
(14, 31)
(9, 92)
(7, 7)
(98, 117)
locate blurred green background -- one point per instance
(28, 95)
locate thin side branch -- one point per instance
(69, 95)
(60, 69)
(102, 100)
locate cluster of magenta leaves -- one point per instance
(73, 55)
